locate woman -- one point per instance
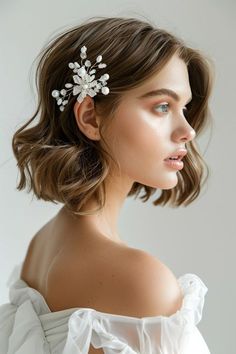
(120, 103)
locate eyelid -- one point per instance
(163, 103)
(167, 103)
(172, 100)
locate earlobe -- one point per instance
(85, 116)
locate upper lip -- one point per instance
(179, 153)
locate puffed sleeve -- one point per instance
(176, 334)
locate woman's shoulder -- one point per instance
(115, 279)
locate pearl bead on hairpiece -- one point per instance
(85, 83)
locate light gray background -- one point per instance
(199, 238)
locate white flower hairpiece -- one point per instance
(85, 84)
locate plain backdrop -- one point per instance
(199, 238)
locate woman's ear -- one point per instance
(86, 118)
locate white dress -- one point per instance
(27, 326)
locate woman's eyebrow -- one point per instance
(163, 91)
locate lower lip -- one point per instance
(176, 164)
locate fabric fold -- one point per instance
(86, 328)
(194, 297)
(27, 332)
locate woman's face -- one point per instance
(147, 130)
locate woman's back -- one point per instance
(43, 256)
(88, 271)
(56, 246)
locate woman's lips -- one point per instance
(175, 164)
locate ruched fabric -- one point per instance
(27, 325)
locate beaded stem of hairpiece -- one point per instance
(85, 82)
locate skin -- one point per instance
(140, 137)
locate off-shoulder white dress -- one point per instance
(27, 326)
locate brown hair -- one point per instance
(64, 165)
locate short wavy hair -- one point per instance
(61, 163)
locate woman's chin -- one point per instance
(168, 183)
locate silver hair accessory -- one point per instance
(84, 81)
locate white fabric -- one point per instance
(27, 326)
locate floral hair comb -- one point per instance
(85, 82)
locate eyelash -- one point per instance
(167, 104)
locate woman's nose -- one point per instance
(184, 133)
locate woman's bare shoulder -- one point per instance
(120, 280)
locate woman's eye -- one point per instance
(162, 105)
(165, 105)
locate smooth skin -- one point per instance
(84, 262)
